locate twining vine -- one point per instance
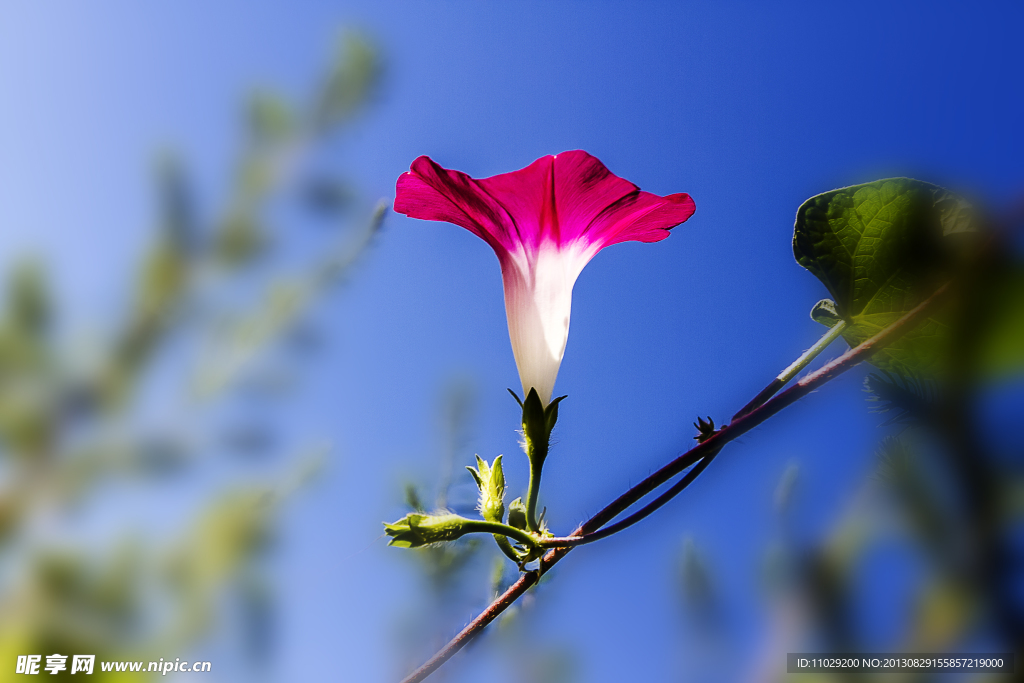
(899, 257)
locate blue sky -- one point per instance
(749, 107)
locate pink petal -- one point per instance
(557, 197)
(565, 198)
(432, 193)
(585, 188)
(642, 216)
(573, 197)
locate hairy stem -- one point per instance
(791, 372)
(739, 426)
(611, 529)
(533, 488)
(812, 353)
(473, 526)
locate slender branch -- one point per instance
(812, 353)
(705, 450)
(658, 502)
(778, 383)
(791, 372)
(500, 604)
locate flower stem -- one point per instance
(497, 528)
(536, 456)
(538, 421)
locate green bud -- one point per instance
(517, 514)
(825, 313)
(417, 529)
(490, 479)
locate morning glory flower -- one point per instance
(545, 222)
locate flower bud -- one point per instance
(490, 479)
(517, 514)
(417, 529)
(825, 313)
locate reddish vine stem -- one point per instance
(740, 425)
(637, 516)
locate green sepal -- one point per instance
(705, 429)
(551, 414)
(490, 479)
(417, 529)
(516, 397)
(517, 514)
(534, 424)
(538, 422)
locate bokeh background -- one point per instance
(223, 367)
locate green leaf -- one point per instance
(239, 239)
(327, 196)
(698, 585)
(908, 398)
(1000, 347)
(784, 489)
(880, 249)
(355, 72)
(29, 306)
(270, 118)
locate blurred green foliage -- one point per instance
(71, 432)
(943, 495)
(940, 497)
